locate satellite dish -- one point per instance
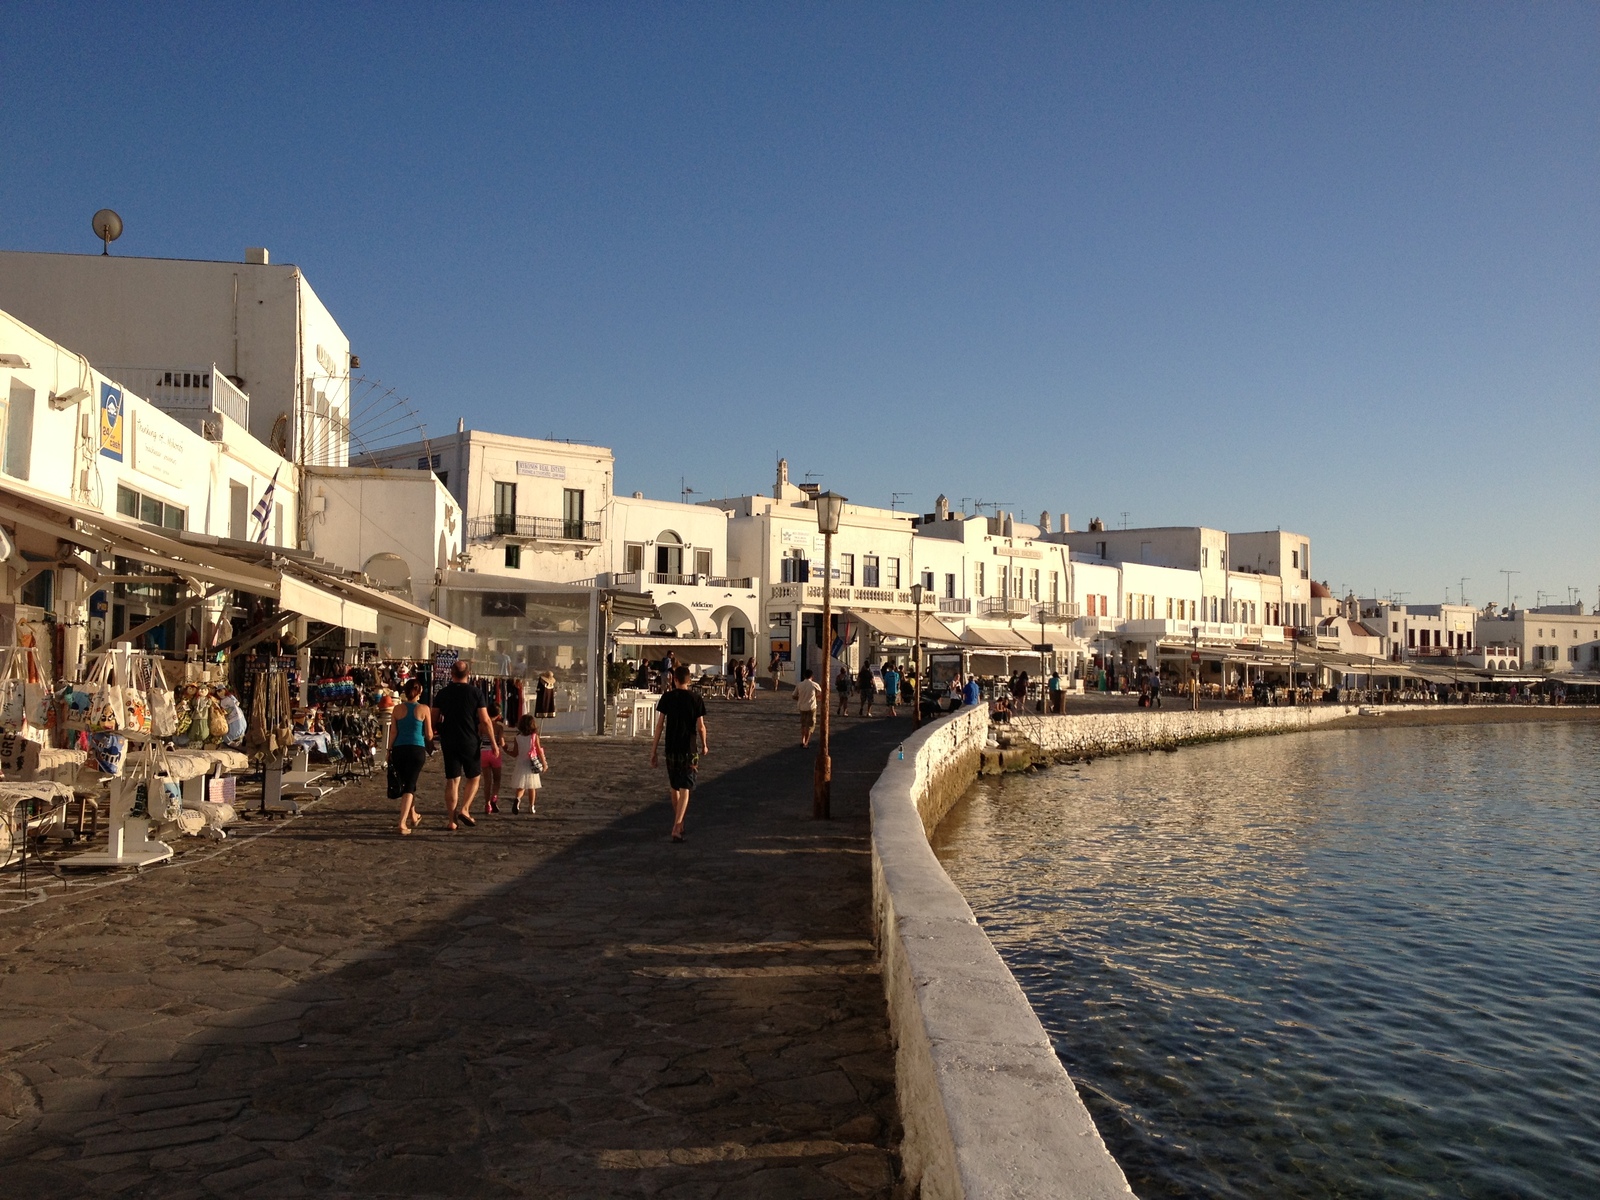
(107, 227)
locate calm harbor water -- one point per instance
(1338, 964)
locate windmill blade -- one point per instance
(380, 417)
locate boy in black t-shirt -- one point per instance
(681, 715)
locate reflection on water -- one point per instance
(1337, 964)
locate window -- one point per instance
(927, 581)
(977, 579)
(505, 508)
(1305, 561)
(869, 570)
(847, 569)
(1294, 558)
(16, 430)
(892, 574)
(1033, 584)
(950, 587)
(736, 640)
(669, 553)
(152, 511)
(702, 563)
(40, 591)
(513, 556)
(238, 511)
(572, 513)
(277, 524)
(1169, 609)
(1205, 556)
(1055, 587)
(633, 556)
(795, 569)
(1411, 637)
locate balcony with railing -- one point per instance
(533, 529)
(811, 593)
(958, 605)
(188, 393)
(639, 581)
(1055, 612)
(1004, 606)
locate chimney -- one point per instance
(1065, 526)
(1044, 522)
(1008, 527)
(257, 255)
(941, 508)
(783, 479)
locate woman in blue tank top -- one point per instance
(408, 750)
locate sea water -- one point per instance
(1357, 963)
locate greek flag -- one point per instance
(263, 509)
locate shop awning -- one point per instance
(632, 606)
(996, 639)
(903, 625)
(701, 651)
(170, 550)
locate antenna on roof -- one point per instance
(107, 227)
(896, 497)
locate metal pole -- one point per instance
(916, 688)
(822, 781)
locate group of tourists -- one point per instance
(742, 679)
(475, 744)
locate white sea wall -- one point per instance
(987, 1108)
(1092, 734)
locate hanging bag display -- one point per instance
(135, 708)
(36, 692)
(13, 693)
(163, 709)
(105, 697)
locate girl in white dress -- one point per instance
(525, 754)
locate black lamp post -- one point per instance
(830, 507)
(917, 592)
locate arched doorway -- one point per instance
(669, 555)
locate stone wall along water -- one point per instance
(987, 1108)
(1094, 734)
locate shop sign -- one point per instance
(112, 424)
(780, 647)
(157, 451)
(539, 470)
(803, 538)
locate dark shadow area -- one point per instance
(560, 1005)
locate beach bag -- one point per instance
(107, 752)
(36, 693)
(13, 691)
(235, 717)
(216, 720)
(163, 708)
(105, 697)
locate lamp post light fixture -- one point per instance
(830, 507)
(917, 592)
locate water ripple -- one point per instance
(1339, 964)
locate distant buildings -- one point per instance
(195, 418)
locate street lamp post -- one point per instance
(830, 506)
(917, 592)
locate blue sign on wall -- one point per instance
(112, 422)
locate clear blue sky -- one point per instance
(1334, 268)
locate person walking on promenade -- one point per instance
(463, 723)
(1058, 694)
(869, 689)
(750, 677)
(492, 759)
(409, 736)
(841, 684)
(1019, 692)
(774, 668)
(891, 687)
(681, 715)
(1155, 689)
(528, 763)
(806, 694)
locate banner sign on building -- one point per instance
(112, 425)
(541, 470)
(157, 449)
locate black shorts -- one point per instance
(681, 771)
(463, 760)
(405, 767)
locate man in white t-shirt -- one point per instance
(806, 693)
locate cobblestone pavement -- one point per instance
(560, 1005)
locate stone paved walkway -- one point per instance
(560, 1005)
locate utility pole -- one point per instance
(1508, 575)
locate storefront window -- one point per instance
(522, 634)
